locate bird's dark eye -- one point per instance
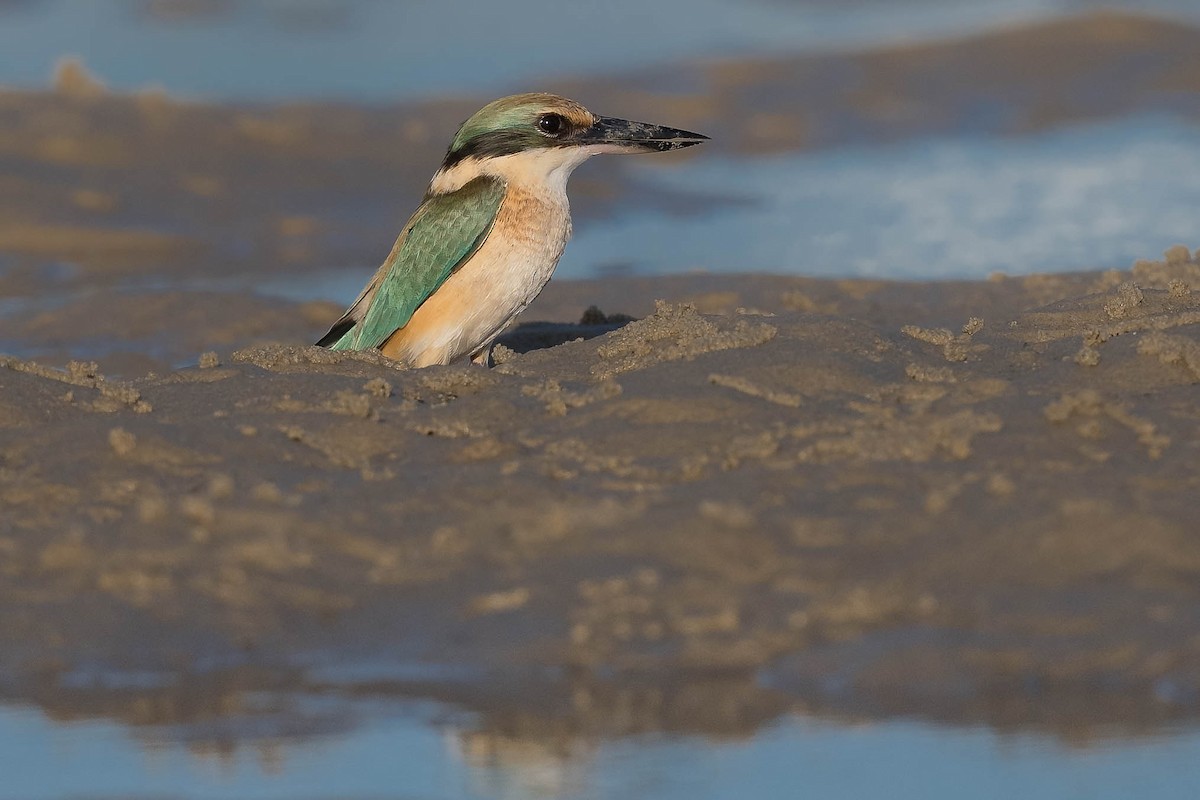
(551, 124)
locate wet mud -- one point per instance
(685, 504)
(824, 506)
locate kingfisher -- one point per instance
(489, 231)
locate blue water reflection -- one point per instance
(415, 751)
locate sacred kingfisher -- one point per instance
(490, 230)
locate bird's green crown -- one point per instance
(515, 124)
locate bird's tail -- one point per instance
(340, 336)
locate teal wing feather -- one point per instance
(443, 233)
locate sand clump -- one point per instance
(73, 79)
(671, 333)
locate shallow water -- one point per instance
(426, 751)
(384, 51)
(964, 207)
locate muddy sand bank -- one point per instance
(971, 501)
(868, 497)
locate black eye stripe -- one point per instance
(508, 141)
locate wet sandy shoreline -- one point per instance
(968, 501)
(851, 502)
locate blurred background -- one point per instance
(904, 139)
(381, 51)
(183, 175)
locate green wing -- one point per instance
(443, 233)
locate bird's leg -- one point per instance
(483, 356)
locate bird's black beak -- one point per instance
(625, 133)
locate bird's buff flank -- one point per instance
(489, 232)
